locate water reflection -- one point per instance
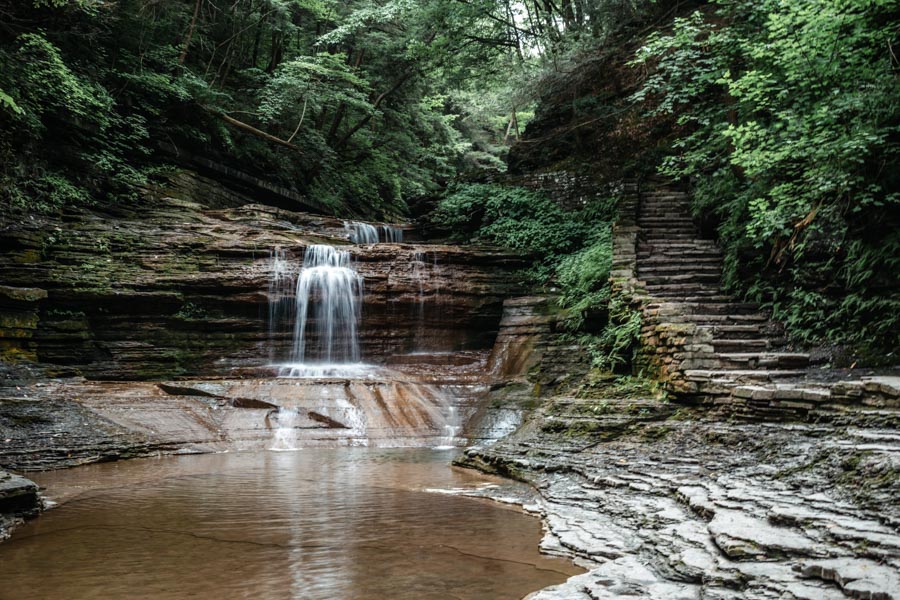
(343, 523)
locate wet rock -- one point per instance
(19, 499)
(712, 510)
(739, 535)
(859, 578)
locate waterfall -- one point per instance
(451, 431)
(361, 233)
(390, 234)
(328, 307)
(365, 233)
(419, 267)
(281, 296)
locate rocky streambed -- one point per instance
(660, 501)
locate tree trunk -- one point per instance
(362, 123)
(190, 33)
(277, 49)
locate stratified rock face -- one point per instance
(171, 287)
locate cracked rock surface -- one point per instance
(666, 504)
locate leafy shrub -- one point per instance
(514, 217)
(616, 345)
(583, 277)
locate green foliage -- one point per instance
(616, 345)
(572, 253)
(514, 217)
(789, 124)
(6, 101)
(583, 277)
(46, 84)
(361, 93)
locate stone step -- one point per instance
(763, 360)
(690, 309)
(670, 230)
(647, 251)
(673, 277)
(662, 221)
(662, 204)
(717, 320)
(664, 227)
(675, 249)
(654, 237)
(684, 289)
(664, 267)
(742, 344)
(734, 332)
(650, 200)
(666, 216)
(697, 243)
(783, 391)
(675, 256)
(681, 262)
(655, 195)
(736, 376)
(665, 213)
(718, 299)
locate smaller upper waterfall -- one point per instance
(361, 233)
(366, 233)
(391, 234)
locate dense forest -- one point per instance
(781, 117)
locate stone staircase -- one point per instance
(680, 268)
(708, 346)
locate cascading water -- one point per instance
(419, 266)
(365, 233)
(392, 235)
(329, 303)
(361, 233)
(317, 305)
(281, 296)
(285, 434)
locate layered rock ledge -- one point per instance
(661, 502)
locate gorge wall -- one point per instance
(176, 286)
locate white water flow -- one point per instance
(451, 431)
(390, 234)
(361, 233)
(281, 296)
(328, 308)
(285, 435)
(366, 233)
(420, 265)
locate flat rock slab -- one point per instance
(858, 577)
(739, 535)
(622, 578)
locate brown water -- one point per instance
(313, 524)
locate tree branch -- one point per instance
(252, 130)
